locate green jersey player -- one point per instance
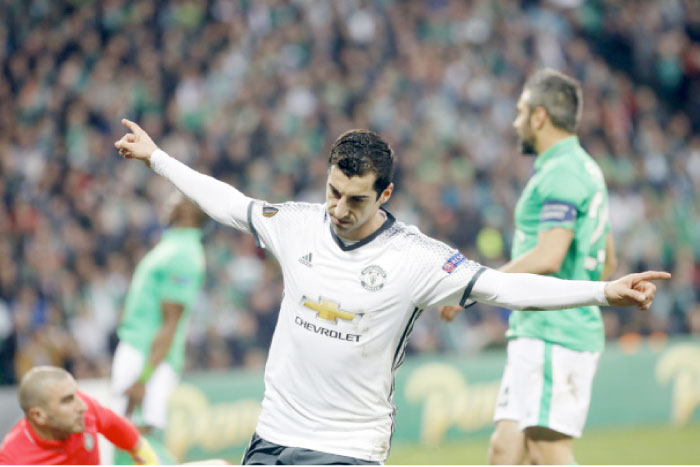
(151, 352)
(562, 229)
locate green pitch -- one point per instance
(657, 445)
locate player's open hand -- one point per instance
(448, 313)
(137, 144)
(634, 289)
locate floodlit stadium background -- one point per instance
(255, 92)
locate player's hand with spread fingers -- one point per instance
(137, 144)
(634, 289)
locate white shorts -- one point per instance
(546, 385)
(126, 369)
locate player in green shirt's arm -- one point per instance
(152, 334)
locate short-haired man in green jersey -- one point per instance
(561, 229)
(152, 334)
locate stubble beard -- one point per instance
(527, 146)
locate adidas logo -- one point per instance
(306, 260)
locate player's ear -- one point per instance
(538, 117)
(37, 415)
(386, 194)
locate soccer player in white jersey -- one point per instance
(355, 281)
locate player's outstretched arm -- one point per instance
(219, 200)
(520, 291)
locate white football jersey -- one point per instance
(348, 310)
(343, 325)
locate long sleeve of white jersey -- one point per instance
(521, 291)
(219, 200)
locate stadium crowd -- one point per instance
(255, 92)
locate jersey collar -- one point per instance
(36, 439)
(388, 222)
(562, 146)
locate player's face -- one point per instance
(526, 137)
(64, 408)
(353, 205)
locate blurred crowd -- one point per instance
(254, 93)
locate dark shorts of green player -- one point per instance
(261, 452)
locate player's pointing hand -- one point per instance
(634, 289)
(137, 144)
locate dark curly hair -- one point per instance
(358, 152)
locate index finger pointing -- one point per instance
(131, 125)
(652, 276)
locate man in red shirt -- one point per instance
(61, 424)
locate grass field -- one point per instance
(659, 445)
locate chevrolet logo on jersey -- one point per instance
(328, 310)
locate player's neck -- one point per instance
(549, 138)
(47, 433)
(368, 229)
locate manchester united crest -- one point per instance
(372, 278)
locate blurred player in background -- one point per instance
(151, 352)
(356, 279)
(563, 230)
(61, 425)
